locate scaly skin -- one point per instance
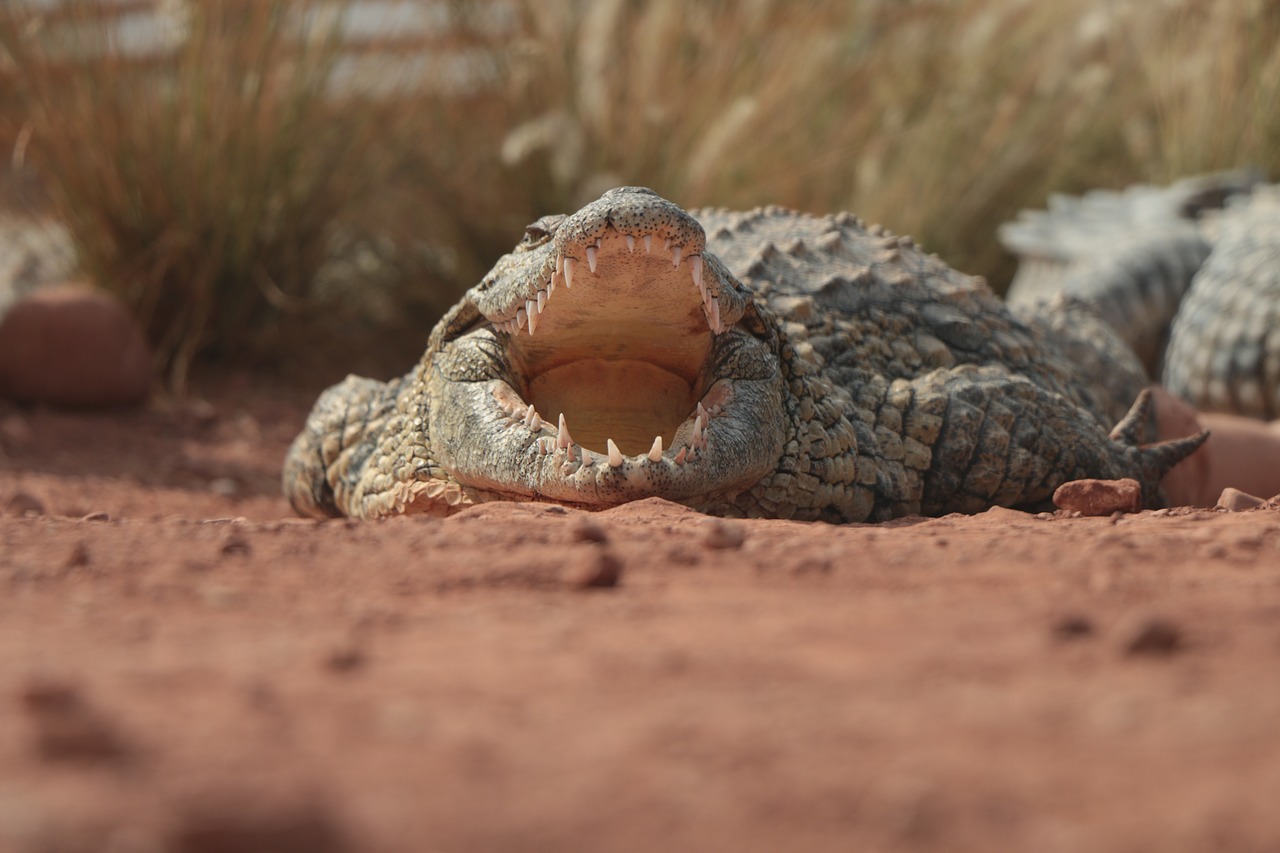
(765, 364)
(1185, 274)
(1224, 344)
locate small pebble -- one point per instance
(723, 534)
(15, 431)
(1099, 497)
(225, 487)
(1154, 636)
(236, 545)
(683, 555)
(1073, 627)
(599, 569)
(587, 530)
(23, 504)
(812, 566)
(45, 695)
(202, 412)
(344, 659)
(1234, 500)
(67, 728)
(79, 555)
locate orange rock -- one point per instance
(1099, 497)
(1234, 500)
(71, 345)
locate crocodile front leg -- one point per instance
(365, 453)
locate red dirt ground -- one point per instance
(186, 667)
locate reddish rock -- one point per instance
(596, 569)
(1234, 500)
(1154, 636)
(587, 530)
(722, 534)
(70, 345)
(1099, 497)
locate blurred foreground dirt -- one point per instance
(183, 666)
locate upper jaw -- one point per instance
(515, 297)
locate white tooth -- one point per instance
(542, 300)
(591, 258)
(568, 453)
(666, 244)
(588, 459)
(568, 273)
(599, 242)
(715, 316)
(615, 456)
(675, 256)
(631, 244)
(555, 279)
(559, 264)
(522, 318)
(702, 290)
(697, 433)
(531, 311)
(648, 244)
(529, 416)
(695, 270)
(655, 452)
(680, 456)
(537, 423)
(563, 439)
(702, 413)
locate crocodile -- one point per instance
(1188, 275)
(765, 363)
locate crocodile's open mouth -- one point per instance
(616, 369)
(617, 364)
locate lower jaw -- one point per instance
(631, 402)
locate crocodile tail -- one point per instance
(1137, 423)
(1156, 459)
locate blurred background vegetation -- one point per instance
(309, 184)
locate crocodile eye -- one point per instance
(537, 233)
